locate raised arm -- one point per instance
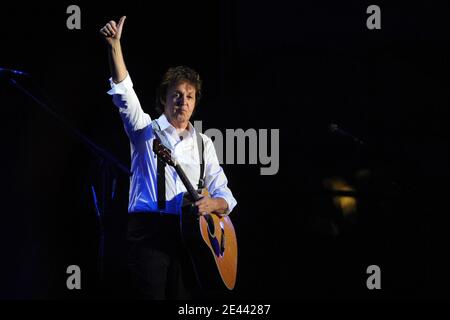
(112, 32)
(124, 96)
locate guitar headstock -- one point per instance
(163, 153)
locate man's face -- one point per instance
(180, 103)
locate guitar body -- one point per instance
(212, 244)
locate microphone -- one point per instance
(334, 128)
(11, 72)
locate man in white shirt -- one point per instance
(156, 260)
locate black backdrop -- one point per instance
(293, 66)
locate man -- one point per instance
(156, 259)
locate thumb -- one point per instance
(121, 22)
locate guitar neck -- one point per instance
(192, 191)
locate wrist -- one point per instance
(217, 206)
(114, 45)
(221, 205)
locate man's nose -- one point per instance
(181, 101)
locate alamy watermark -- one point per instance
(374, 280)
(261, 149)
(74, 20)
(74, 280)
(374, 20)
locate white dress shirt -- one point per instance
(143, 182)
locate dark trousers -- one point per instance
(158, 264)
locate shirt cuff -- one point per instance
(122, 87)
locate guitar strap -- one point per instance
(201, 156)
(161, 182)
(160, 170)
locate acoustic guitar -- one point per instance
(210, 238)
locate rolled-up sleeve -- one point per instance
(215, 179)
(126, 100)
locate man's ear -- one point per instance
(162, 102)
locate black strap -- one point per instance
(201, 147)
(161, 182)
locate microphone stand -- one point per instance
(107, 162)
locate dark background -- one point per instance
(296, 66)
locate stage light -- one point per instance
(343, 195)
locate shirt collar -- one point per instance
(165, 124)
